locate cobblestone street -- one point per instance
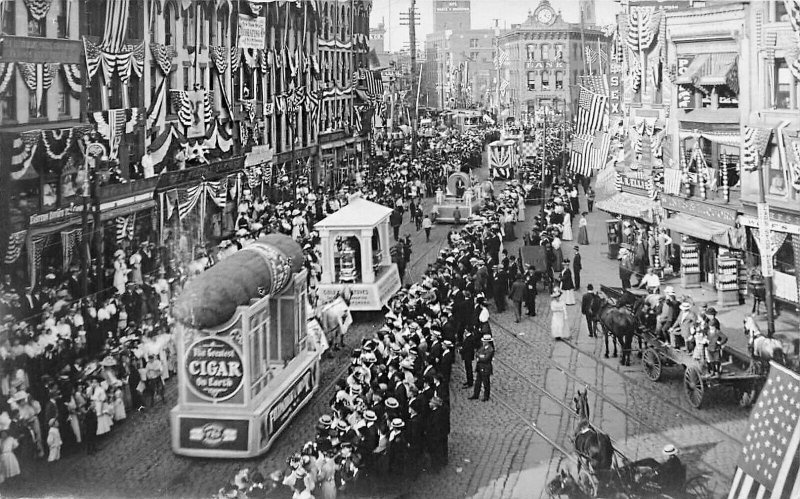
(498, 449)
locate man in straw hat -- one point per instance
(682, 327)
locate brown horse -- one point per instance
(592, 445)
(617, 322)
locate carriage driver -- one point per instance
(670, 475)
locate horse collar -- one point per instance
(585, 429)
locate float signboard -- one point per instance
(213, 369)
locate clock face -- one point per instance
(545, 16)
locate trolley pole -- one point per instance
(412, 20)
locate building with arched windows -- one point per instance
(546, 57)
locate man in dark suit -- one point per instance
(530, 290)
(586, 309)
(500, 288)
(483, 367)
(517, 295)
(468, 347)
(577, 267)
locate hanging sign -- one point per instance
(197, 128)
(764, 231)
(252, 32)
(213, 369)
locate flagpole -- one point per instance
(586, 62)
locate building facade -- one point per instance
(546, 56)
(118, 113)
(455, 15)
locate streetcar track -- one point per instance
(625, 376)
(527, 379)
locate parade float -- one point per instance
(355, 256)
(459, 193)
(502, 159)
(247, 361)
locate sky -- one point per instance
(483, 11)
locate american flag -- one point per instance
(591, 55)
(769, 462)
(672, 181)
(600, 145)
(595, 83)
(580, 154)
(591, 110)
(374, 85)
(502, 57)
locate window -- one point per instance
(9, 13)
(188, 27)
(8, 102)
(784, 258)
(781, 15)
(559, 80)
(169, 24)
(545, 80)
(135, 29)
(786, 87)
(64, 97)
(35, 109)
(531, 52)
(221, 33)
(36, 28)
(473, 43)
(545, 52)
(558, 51)
(474, 56)
(531, 80)
(62, 30)
(201, 21)
(187, 84)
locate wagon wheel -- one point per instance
(694, 385)
(587, 482)
(651, 362)
(697, 488)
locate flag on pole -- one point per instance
(579, 154)
(769, 460)
(601, 143)
(500, 60)
(591, 110)
(591, 55)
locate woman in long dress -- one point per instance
(9, 466)
(120, 271)
(566, 233)
(567, 286)
(558, 322)
(583, 230)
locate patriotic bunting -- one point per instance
(16, 241)
(793, 55)
(157, 106)
(183, 104)
(791, 144)
(57, 142)
(218, 55)
(112, 124)
(125, 227)
(756, 140)
(72, 76)
(163, 55)
(643, 26)
(6, 75)
(70, 239)
(38, 9)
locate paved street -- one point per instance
(505, 448)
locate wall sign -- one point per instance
(213, 369)
(699, 209)
(635, 185)
(544, 64)
(208, 433)
(615, 88)
(252, 32)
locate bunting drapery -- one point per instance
(182, 102)
(791, 144)
(38, 9)
(157, 106)
(6, 75)
(643, 27)
(756, 140)
(72, 76)
(125, 227)
(16, 241)
(128, 58)
(57, 142)
(69, 240)
(189, 198)
(163, 55)
(218, 56)
(236, 58)
(776, 240)
(793, 55)
(112, 124)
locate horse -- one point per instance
(615, 321)
(762, 349)
(565, 484)
(591, 444)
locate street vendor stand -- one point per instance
(459, 193)
(247, 362)
(355, 255)
(502, 159)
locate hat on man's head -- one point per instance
(670, 450)
(669, 291)
(486, 337)
(686, 305)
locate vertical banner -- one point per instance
(197, 126)
(764, 230)
(615, 88)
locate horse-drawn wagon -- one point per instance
(697, 380)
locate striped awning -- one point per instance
(712, 69)
(697, 227)
(628, 205)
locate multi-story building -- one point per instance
(771, 138)
(546, 55)
(377, 44)
(119, 113)
(343, 53)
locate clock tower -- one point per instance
(544, 13)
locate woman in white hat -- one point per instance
(120, 271)
(558, 322)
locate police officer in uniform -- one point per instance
(483, 367)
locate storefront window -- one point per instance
(783, 261)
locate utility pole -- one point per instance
(411, 21)
(766, 256)
(497, 67)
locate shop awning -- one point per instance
(697, 227)
(712, 69)
(629, 205)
